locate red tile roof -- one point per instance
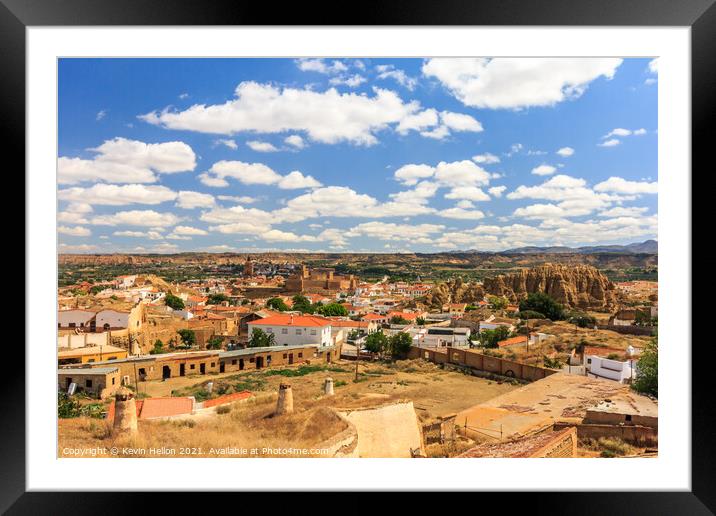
(520, 339)
(292, 320)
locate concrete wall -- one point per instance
(103, 385)
(634, 434)
(73, 340)
(478, 361)
(280, 357)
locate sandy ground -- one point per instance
(399, 420)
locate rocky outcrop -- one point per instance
(454, 291)
(578, 286)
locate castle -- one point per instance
(319, 279)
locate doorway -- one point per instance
(241, 364)
(222, 367)
(290, 358)
(166, 372)
(259, 362)
(202, 368)
(328, 357)
(182, 369)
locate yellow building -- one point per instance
(90, 354)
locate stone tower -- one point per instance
(284, 405)
(328, 387)
(125, 412)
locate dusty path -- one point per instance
(386, 432)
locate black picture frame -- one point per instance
(700, 15)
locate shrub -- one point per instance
(542, 303)
(173, 302)
(223, 409)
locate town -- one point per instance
(550, 360)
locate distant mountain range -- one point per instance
(647, 247)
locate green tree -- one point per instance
(276, 303)
(581, 319)
(67, 407)
(376, 342)
(214, 342)
(544, 304)
(96, 289)
(490, 338)
(188, 338)
(531, 314)
(498, 302)
(158, 348)
(420, 321)
(332, 309)
(217, 299)
(399, 344)
(173, 302)
(397, 319)
(302, 304)
(261, 339)
(647, 370)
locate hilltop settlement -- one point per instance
(275, 357)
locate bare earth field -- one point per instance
(248, 428)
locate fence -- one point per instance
(479, 362)
(628, 330)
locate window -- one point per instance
(285, 356)
(269, 330)
(192, 366)
(233, 362)
(284, 331)
(313, 332)
(300, 355)
(88, 383)
(298, 332)
(72, 325)
(213, 364)
(627, 417)
(589, 361)
(252, 360)
(113, 381)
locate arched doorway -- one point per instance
(166, 372)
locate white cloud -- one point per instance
(486, 158)
(276, 235)
(116, 195)
(101, 114)
(241, 199)
(320, 66)
(74, 231)
(654, 65)
(470, 193)
(609, 143)
(151, 235)
(390, 72)
(461, 213)
(80, 248)
(544, 170)
(622, 186)
(515, 83)
(461, 173)
(391, 231)
(147, 218)
(295, 140)
(410, 174)
(327, 117)
(620, 211)
(352, 81)
(295, 180)
(231, 144)
(246, 173)
(259, 146)
(188, 231)
(574, 198)
(566, 152)
(127, 161)
(75, 213)
(190, 200)
(497, 191)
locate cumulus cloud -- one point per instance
(127, 161)
(190, 200)
(515, 83)
(622, 186)
(320, 65)
(609, 143)
(116, 195)
(390, 72)
(461, 213)
(188, 231)
(566, 152)
(392, 231)
(326, 117)
(295, 140)
(352, 81)
(259, 146)
(544, 170)
(231, 144)
(147, 218)
(74, 231)
(469, 193)
(621, 211)
(497, 191)
(295, 180)
(486, 158)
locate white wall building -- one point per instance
(617, 370)
(294, 330)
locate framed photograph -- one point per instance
(436, 250)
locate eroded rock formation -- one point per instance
(576, 286)
(454, 291)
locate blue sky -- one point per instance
(339, 155)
